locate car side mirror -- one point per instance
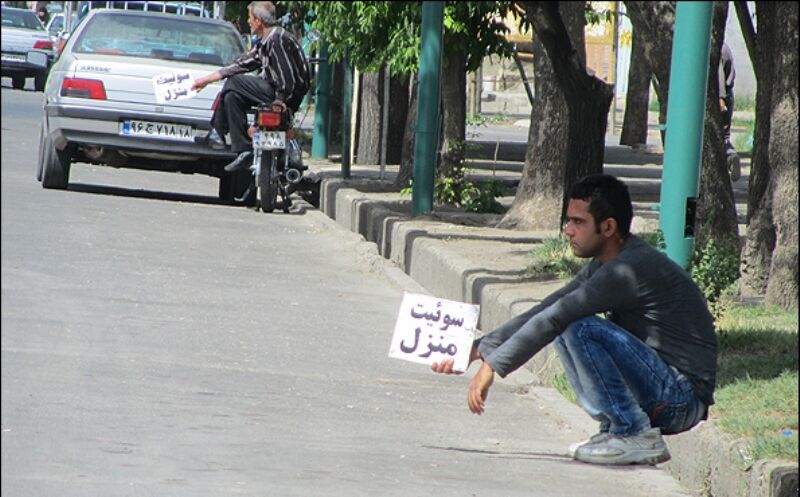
(38, 59)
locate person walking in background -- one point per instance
(647, 368)
(726, 76)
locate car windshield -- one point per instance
(57, 24)
(21, 19)
(175, 38)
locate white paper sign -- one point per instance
(429, 330)
(172, 86)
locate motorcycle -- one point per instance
(278, 167)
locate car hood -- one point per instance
(130, 79)
(21, 39)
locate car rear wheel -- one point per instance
(39, 82)
(55, 164)
(18, 82)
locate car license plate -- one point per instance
(164, 131)
(269, 140)
(12, 57)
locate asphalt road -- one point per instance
(158, 343)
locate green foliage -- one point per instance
(553, 258)
(654, 238)
(483, 198)
(715, 268)
(374, 33)
(456, 189)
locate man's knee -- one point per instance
(588, 328)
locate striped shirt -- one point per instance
(284, 63)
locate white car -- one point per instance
(23, 34)
(101, 105)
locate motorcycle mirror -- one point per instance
(313, 35)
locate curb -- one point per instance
(485, 267)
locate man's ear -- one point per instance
(609, 227)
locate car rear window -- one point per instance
(21, 19)
(180, 39)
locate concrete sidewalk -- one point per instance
(462, 257)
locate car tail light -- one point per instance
(43, 45)
(83, 88)
(269, 119)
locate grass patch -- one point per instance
(757, 380)
(554, 259)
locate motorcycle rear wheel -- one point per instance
(267, 182)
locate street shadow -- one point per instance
(533, 456)
(299, 206)
(116, 191)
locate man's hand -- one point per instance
(722, 105)
(479, 388)
(446, 366)
(201, 83)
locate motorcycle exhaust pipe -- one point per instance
(293, 176)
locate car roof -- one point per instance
(18, 9)
(145, 13)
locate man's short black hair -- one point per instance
(608, 197)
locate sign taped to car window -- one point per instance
(430, 330)
(172, 86)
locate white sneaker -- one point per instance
(647, 447)
(597, 437)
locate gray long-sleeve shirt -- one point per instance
(640, 290)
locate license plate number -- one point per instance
(164, 131)
(11, 57)
(269, 140)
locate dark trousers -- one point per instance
(238, 95)
(727, 118)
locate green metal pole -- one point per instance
(427, 108)
(347, 103)
(684, 140)
(322, 110)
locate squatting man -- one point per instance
(645, 369)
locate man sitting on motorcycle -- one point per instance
(285, 81)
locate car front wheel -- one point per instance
(54, 164)
(18, 82)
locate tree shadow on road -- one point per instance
(116, 191)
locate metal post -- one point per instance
(322, 109)
(385, 120)
(684, 142)
(347, 102)
(427, 107)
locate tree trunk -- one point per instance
(655, 21)
(454, 112)
(398, 110)
(371, 105)
(406, 171)
(716, 209)
(634, 124)
(760, 243)
(783, 149)
(565, 142)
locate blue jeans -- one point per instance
(623, 383)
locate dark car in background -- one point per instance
(23, 33)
